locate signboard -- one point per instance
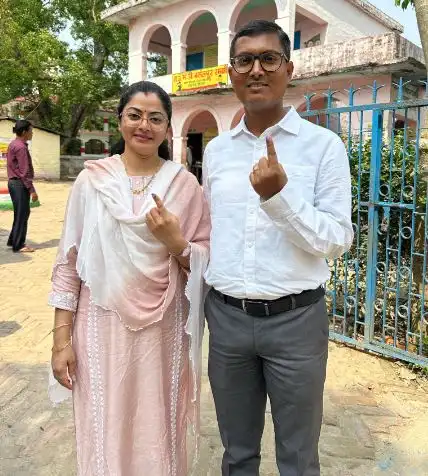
(200, 79)
(4, 144)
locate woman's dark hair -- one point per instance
(147, 87)
(262, 27)
(21, 127)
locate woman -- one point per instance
(20, 173)
(129, 268)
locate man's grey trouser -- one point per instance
(283, 356)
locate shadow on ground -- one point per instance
(44, 246)
(8, 328)
(7, 256)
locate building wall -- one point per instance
(7, 135)
(203, 34)
(202, 122)
(309, 29)
(265, 12)
(71, 166)
(197, 112)
(344, 21)
(225, 107)
(44, 148)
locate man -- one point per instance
(189, 158)
(280, 196)
(20, 173)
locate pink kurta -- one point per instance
(132, 392)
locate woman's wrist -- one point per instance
(62, 335)
(178, 246)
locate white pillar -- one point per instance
(178, 144)
(106, 148)
(287, 18)
(287, 24)
(178, 57)
(224, 39)
(137, 67)
(106, 125)
(144, 67)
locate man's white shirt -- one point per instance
(267, 250)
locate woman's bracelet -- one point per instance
(60, 327)
(55, 350)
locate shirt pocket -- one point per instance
(301, 180)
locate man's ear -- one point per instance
(290, 70)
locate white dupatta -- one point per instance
(115, 249)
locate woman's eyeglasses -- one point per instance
(270, 61)
(156, 120)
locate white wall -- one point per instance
(345, 21)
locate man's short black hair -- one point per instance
(262, 27)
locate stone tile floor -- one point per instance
(376, 411)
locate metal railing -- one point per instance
(378, 292)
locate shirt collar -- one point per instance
(21, 141)
(289, 123)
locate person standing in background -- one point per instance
(20, 173)
(189, 158)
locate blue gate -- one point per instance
(378, 292)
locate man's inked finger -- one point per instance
(271, 152)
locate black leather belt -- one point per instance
(263, 308)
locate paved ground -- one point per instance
(376, 412)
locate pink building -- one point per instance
(335, 43)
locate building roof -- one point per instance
(125, 11)
(6, 118)
(377, 14)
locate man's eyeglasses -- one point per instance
(270, 61)
(156, 120)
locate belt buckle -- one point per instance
(257, 303)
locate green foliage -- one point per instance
(29, 49)
(404, 3)
(64, 85)
(158, 65)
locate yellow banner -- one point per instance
(4, 144)
(200, 79)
